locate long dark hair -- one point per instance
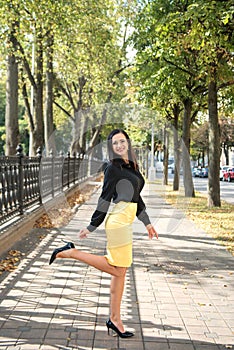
(113, 156)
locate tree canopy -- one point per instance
(69, 60)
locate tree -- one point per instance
(11, 111)
(49, 96)
(199, 145)
(11, 116)
(98, 65)
(37, 19)
(194, 38)
(69, 54)
(211, 35)
(168, 71)
(20, 14)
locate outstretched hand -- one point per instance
(151, 231)
(83, 233)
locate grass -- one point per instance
(217, 222)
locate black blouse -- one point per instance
(121, 183)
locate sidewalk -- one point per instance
(179, 291)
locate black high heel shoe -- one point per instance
(110, 325)
(69, 245)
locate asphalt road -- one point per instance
(200, 184)
(226, 188)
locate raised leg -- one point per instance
(97, 261)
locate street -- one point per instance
(200, 184)
(226, 188)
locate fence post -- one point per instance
(20, 191)
(81, 166)
(52, 173)
(89, 165)
(62, 172)
(68, 169)
(74, 167)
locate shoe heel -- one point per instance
(69, 245)
(110, 325)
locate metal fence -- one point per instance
(29, 181)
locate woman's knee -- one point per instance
(121, 271)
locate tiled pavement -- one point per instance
(179, 292)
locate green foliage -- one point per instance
(177, 43)
(199, 144)
(87, 47)
(179, 46)
(23, 123)
(24, 134)
(89, 50)
(2, 139)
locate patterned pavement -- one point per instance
(179, 292)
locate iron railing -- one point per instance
(29, 181)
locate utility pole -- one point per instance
(32, 92)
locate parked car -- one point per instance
(222, 170)
(196, 172)
(229, 175)
(203, 172)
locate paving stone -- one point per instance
(156, 346)
(175, 296)
(181, 346)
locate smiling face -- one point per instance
(120, 145)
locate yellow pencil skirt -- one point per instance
(118, 228)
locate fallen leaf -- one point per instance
(61, 214)
(10, 263)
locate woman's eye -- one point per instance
(115, 143)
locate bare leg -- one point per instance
(97, 261)
(116, 290)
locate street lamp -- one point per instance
(152, 170)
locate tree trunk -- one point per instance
(75, 143)
(166, 154)
(226, 153)
(38, 132)
(187, 173)
(214, 147)
(49, 121)
(11, 115)
(79, 120)
(95, 137)
(176, 179)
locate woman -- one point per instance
(122, 184)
